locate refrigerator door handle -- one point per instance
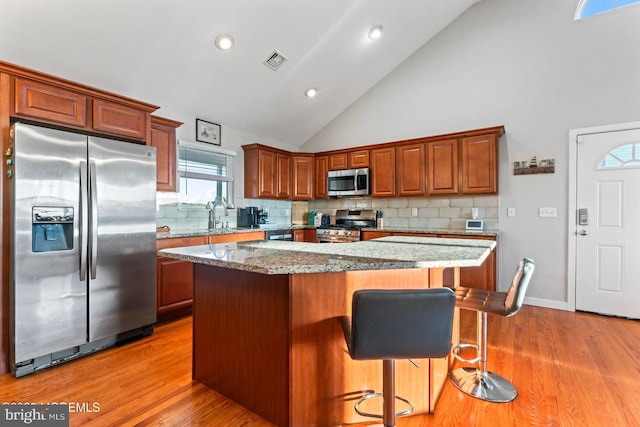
(94, 219)
(84, 225)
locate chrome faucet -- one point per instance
(213, 221)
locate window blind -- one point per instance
(201, 162)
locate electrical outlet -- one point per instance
(547, 212)
(511, 211)
(414, 211)
(287, 212)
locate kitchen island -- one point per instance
(267, 331)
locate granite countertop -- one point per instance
(195, 233)
(280, 257)
(448, 231)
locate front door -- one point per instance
(608, 223)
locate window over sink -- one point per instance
(204, 173)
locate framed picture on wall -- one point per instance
(208, 132)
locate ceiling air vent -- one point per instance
(275, 60)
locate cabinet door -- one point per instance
(267, 179)
(175, 287)
(479, 164)
(321, 169)
(163, 138)
(411, 170)
(284, 176)
(302, 167)
(482, 277)
(383, 172)
(442, 167)
(310, 235)
(338, 161)
(119, 119)
(358, 159)
(49, 103)
(368, 235)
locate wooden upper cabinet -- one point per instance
(320, 177)
(442, 167)
(302, 168)
(383, 172)
(284, 176)
(111, 117)
(267, 178)
(163, 138)
(411, 170)
(358, 159)
(479, 170)
(338, 161)
(50, 103)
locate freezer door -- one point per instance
(48, 298)
(122, 252)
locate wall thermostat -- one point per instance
(475, 225)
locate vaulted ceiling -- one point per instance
(162, 52)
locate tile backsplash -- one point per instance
(419, 212)
(399, 212)
(170, 212)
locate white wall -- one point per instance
(527, 65)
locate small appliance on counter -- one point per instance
(252, 217)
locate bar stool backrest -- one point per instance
(518, 288)
(401, 324)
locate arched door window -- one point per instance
(588, 8)
(624, 156)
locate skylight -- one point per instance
(588, 8)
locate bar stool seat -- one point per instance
(478, 381)
(398, 324)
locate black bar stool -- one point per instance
(479, 382)
(398, 324)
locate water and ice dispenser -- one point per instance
(51, 228)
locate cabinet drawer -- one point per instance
(119, 119)
(178, 242)
(49, 103)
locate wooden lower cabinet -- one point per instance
(305, 235)
(174, 278)
(482, 277)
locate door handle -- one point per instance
(84, 227)
(94, 218)
(583, 232)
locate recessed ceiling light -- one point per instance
(311, 92)
(375, 32)
(224, 41)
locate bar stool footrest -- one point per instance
(483, 385)
(456, 350)
(380, 395)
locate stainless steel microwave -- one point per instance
(348, 182)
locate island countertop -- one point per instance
(395, 252)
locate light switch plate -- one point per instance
(511, 211)
(547, 212)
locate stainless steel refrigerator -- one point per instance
(83, 245)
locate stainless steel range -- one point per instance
(347, 226)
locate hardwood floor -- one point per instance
(570, 369)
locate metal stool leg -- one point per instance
(478, 382)
(388, 395)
